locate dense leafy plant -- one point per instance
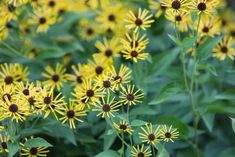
(109, 78)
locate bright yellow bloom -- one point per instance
(209, 27)
(106, 82)
(123, 127)
(88, 30)
(204, 7)
(158, 7)
(7, 92)
(140, 151)
(4, 139)
(7, 74)
(149, 135)
(143, 20)
(78, 76)
(176, 6)
(168, 133)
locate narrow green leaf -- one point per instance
(138, 122)
(37, 142)
(233, 124)
(175, 40)
(162, 152)
(13, 149)
(108, 153)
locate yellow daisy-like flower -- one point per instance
(107, 107)
(109, 48)
(88, 91)
(149, 135)
(106, 82)
(123, 127)
(140, 151)
(175, 6)
(209, 27)
(21, 72)
(224, 49)
(72, 113)
(168, 133)
(16, 109)
(7, 74)
(24, 89)
(7, 92)
(33, 151)
(16, 2)
(8, 12)
(135, 40)
(87, 30)
(131, 96)
(4, 139)
(158, 7)
(134, 54)
(143, 20)
(55, 78)
(204, 7)
(78, 76)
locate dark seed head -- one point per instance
(138, 22)
(8, 79)
(106, 84)
(42, 20)
(140, 154)
(27, 30)
(118, 78)
(205, 29)
(151, 137)
(47, 100)
(232, 33)
(130, 97)
(31, 101)
(51, 3)
(224, 22)
(108, 53)
(168, 135)
(79, 79)
(55, 78)
(178, 18)
(122, 127)
(106, 108)
(111, 17)
(201, 6)
(70, 114)
(33, 151)
(6, 96)
(134, 53)
(13, 108)
(11, 7)
(99, 70)
(4, 145)
(25, 92)
(89, 31)
(224, 49)
(61, 11)
(176, 4)
(90, 93)
(9, 25)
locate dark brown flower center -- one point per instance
(201, 6)
(106, 84)
(42, 20)
(6, 96)
(51, 3)
(140, 154)
(26, 92)
(138, 22)
(90, 93)
(106, 108)
(79, 79)
(47, 100)
(13, 108)
(151, 137)
(134, 53)
(130, 97)
(11, 7)
(99, 70)
(176, 4)
(224, 22)
(108, 53)
(205, 29)
(31, 101)
(118, 79)
(123, 127)
(8, 79)
(89, 31)
(4, 145)
(111, 17)
(70, 114)
(178, 18)
(33, 151)
(224, 49)
(232, 33)
(55, 78)
(168, 135)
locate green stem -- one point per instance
(123, 146)
(153, 150)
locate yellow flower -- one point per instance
(72, 113)
(7, 74)
(143, 20)
(16, 109)
(175, 6)
(204, 7)
(78, 76)
(168, 133)
(140, 151)
(87, 30)
(33, 151)
(16, 2)
(105, 82)
(107, 107)
(131, 96)
(55, 78)
(121, 77)
(8, 12)
(123, 127)
(224, 49)
(149, 135)
(88, 91)
(109, 48)
(158, 7)
(21, 72)
(4, 139)
(209, 27)
(135, 40)
(7, 92)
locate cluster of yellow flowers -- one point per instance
(206, 17)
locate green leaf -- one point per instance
(205, 50)
(167, 92)
(233, 124)
(176, 123)
(37, 142)
(109, 138)
(176, 40)
(108, 153)
(138, 122)
(188, 42)
(162, 152)
(209, 121)
(229, 152)
(13, 149)
(142, 110)
(208, 68)
(221, 107)
(227, 95)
